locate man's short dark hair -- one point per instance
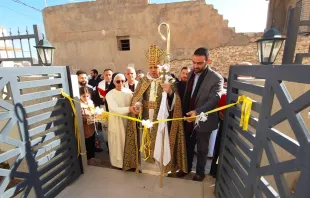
(202, 51)
(107, 70)
(225, 79)
(80, 72)
(95, 71)
(184, 68)
(139, 71)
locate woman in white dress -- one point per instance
(119, 100)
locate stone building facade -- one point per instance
(116, 33)
(97, 34)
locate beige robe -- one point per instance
(119, 102)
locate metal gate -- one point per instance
(38, 148)
(250, 164)
(21, 45)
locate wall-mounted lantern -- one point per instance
(269, 46)
(45, 51)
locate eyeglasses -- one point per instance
(119, 81)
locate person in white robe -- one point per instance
(119, 100)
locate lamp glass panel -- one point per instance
(276, 49)
(259, 50)
(266, 48)
(41, 54)
(49, 55)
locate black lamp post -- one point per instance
(45, 51)
(269, 46)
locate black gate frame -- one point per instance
(239, 177)
(50, 149)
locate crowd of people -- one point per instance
(199, 88)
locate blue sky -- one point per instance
(244, 15)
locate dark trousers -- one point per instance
(202, 141)
(90, 146)
(216, 152)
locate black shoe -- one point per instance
(98, 150)
(198, 178)
(181, 174)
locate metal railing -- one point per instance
(19, 47)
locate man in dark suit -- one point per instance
(203, 92)
(181, 84)
(94, 81)
(95, 78)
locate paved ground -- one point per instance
(103, 159)
(101, 180)
(110, 183)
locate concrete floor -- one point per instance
(110, 183)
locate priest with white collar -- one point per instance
(131, 82)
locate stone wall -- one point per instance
(76, 30)
(223, 57)
(85, 34)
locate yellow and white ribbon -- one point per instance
(147, 124)
(76, 125)
(146, 139)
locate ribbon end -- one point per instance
(245, 112)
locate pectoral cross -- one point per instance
(164, 73)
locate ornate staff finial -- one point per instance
(165, 38)
(166, 67)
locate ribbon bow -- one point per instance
(97, 111)
(147, 123)
(202, 118)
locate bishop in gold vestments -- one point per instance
(148, 92)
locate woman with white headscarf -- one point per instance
(119, 100)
